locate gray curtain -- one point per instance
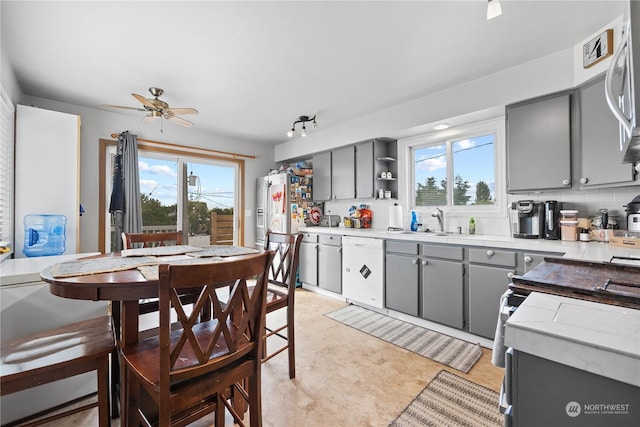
(125, 195)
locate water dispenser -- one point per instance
(44, 235)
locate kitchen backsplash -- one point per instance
(587, 202)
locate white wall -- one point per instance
(472, 101)
(97, 124)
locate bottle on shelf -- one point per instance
(472, 226)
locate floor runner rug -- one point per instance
(450, 400)
(453, 352)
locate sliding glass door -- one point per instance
(193, 194)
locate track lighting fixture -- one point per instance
(303, 120)
(494, 8)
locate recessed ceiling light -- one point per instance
(442, 126)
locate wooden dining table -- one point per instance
(124, 287)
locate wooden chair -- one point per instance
(146, 306)
(181, 375)
(281, 292)
(60, 353)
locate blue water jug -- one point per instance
(44, 235)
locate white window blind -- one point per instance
(7, 123)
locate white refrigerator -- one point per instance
(283, 202)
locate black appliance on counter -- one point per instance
(551, 219)
(527, 219)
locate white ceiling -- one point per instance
(251, 68)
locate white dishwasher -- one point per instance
(363, 270)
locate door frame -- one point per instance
(167, 148)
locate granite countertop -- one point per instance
(598, 338)
(587, 251)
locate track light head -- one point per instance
(303, 120)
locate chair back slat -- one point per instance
(284, 266)
(236, 325)
(150, 240)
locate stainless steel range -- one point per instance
(532, 381)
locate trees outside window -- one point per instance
(455, 172)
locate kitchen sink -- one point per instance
(442, 233)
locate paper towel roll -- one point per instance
(395, 217)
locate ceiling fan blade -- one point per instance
(148, 119)
(183, 111)
(144, 101)
(179, 120)
(123, 107)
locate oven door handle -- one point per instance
(508, 376)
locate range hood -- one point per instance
(623, 86)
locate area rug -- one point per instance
(449, 351)
(449, 400)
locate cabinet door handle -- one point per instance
(527, 259)
(510, 275)
(490, 252)
(584, 180)
(566, 182)
(339, 250)
(414, 261)
(425, 262)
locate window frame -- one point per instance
(494, 126)
(174, 151)
(7, 198)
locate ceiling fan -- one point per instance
(158, 108)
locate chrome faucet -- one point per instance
(440, 216)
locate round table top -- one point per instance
(113, 286)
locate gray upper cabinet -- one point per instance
(342, 173)
(365, 171)
(539, 143)
(600, 159)
(322, 177)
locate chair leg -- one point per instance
(220, 410)
(115, 361)
(255, 400)
(291, 341)
(103, 391)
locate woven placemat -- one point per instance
(150, 272)
(99, 265)
(222, 251)
(160, 251)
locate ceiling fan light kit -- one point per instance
(157, 108)
(303, 120)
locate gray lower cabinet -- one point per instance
(330, 263)
(308, 260)
(490, 272)
(540, 392)
(401, 277)
(441, 284)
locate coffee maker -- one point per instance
(551, 219)
(527, 219)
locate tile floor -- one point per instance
(343, 377)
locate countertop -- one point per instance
(587, 251)
(598, 338)
(27, 270)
